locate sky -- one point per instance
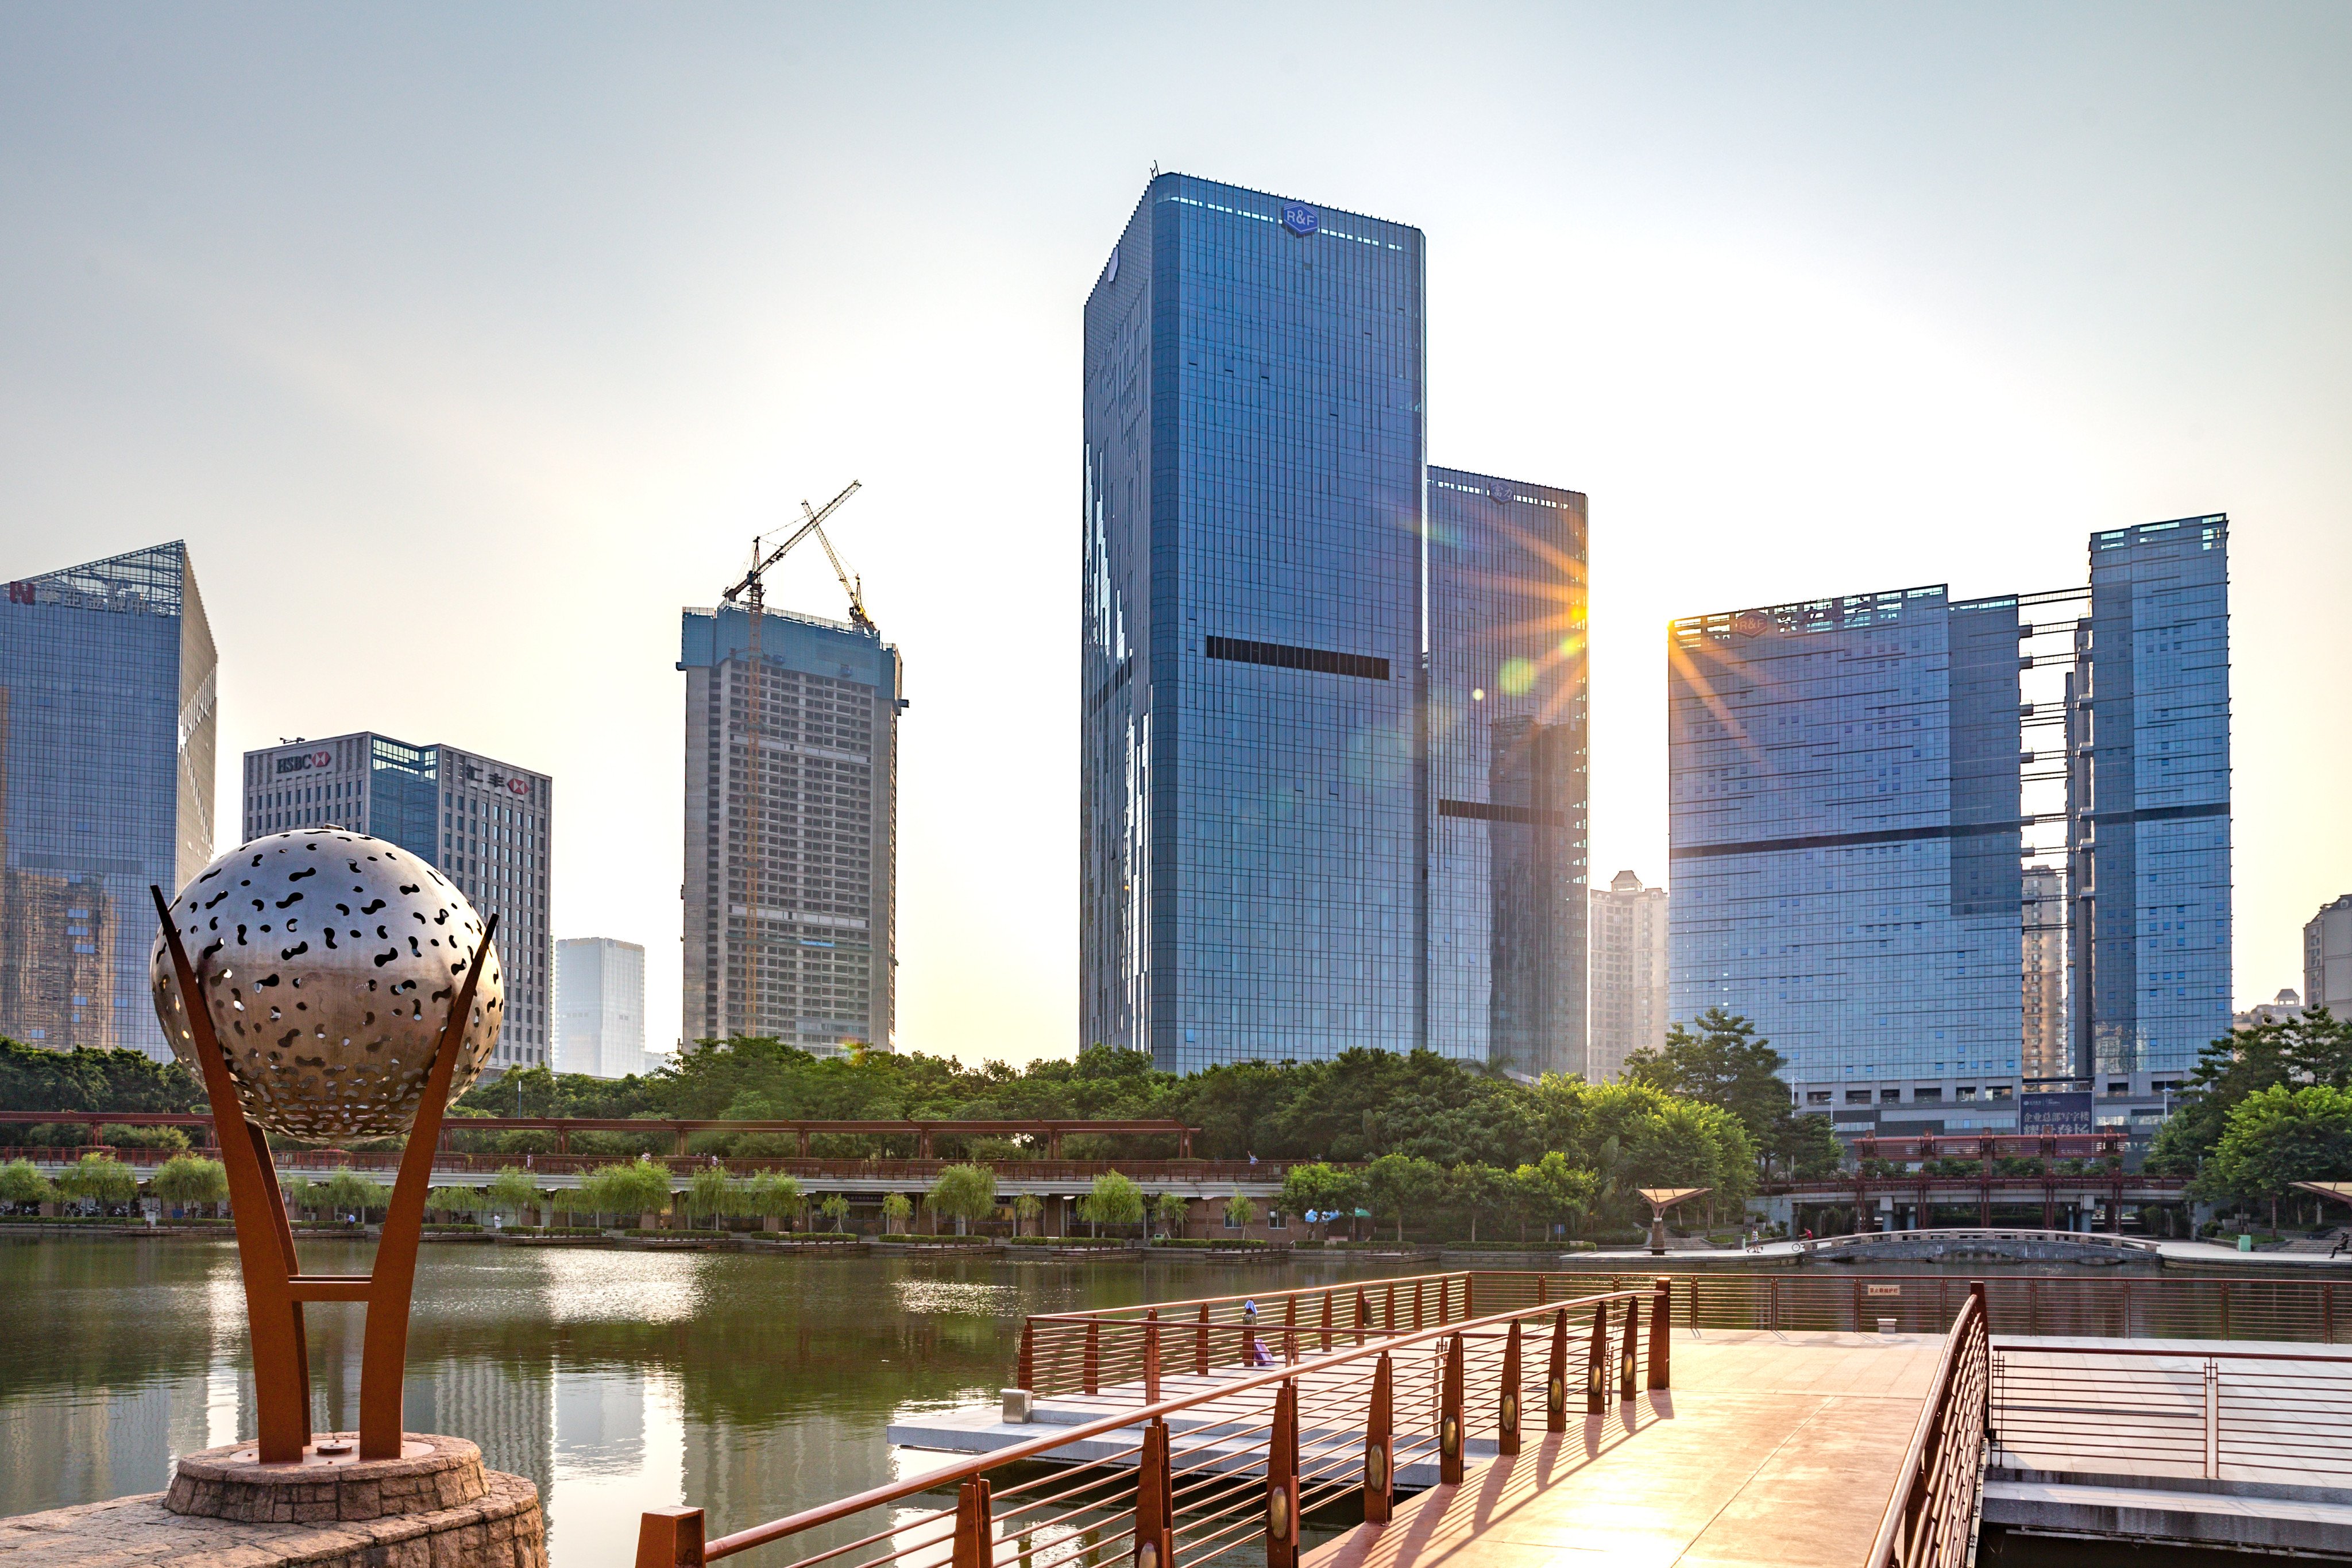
(466, 344)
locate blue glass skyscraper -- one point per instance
(107, 726)
(1250, 816)
(2151, 799)
(1508, 772)
(1845, 831)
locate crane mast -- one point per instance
(751, 592)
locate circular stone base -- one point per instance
(433, 1473)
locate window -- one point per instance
(1857, 1097)
(1817, 1097)
(1927, 1096)
(1277, 1220)
(1889, 1096)
(1966, 1091)
(2119, 1086)
(1999, 1091)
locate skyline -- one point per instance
(523, 356)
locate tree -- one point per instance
(1475, 1188)
(1321, 1189)
(2316, 1048)
(895, 1207)
(453, 1200)
(1722, 1064)
(185, 1181)
(21, 1183)
(512, 1190)
(1400, 1182)
(835, 1207)
(1026, 1210)
(1555, 1191)
(1800, 1146)
(100, 1179)
(710, 1192)
(632, 1187)
(1173, 1209)
(2281, 1136)
(1114, 1200)
(301, 1193)
(1240, 1213)
(774, 1195)
(347, 1190)
(965, 1194)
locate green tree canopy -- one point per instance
(21, 1183)
(1114, 1200)
(185, 1179)
(1721, 1063)
(453, 1200)
(1475, 1188)
(711, 1192)
(895, 1209)
(32, 1078)
(512, 1190)
(2316, 1048)
(1172, 1209)
(2279, 1136)
(1556, 1192)
(626, 1189)
(775, 1194)
(1399, 1184)
(1240, 1213)
(347, 1191)
(964, 1194)
(1322, 1188)
(835, 1208)
(100, 1178)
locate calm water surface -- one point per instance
(749, 1386)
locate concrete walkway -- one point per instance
(1770, 1449)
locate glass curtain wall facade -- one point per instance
(483, 824)
(2151, 809)
(791, 810)
(1508, 773)
(107, 736)
(1845, 829)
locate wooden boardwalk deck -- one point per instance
(1772, 1448)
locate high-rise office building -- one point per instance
(1252, 832)
(792, 818)
(1509, 777)
(1845, 811)
(1848, 819)
(599, 1006)
(2327, 958)
(107, 728)
(2150, 811)
(2042, 976)
(483, 824)
(1629, 974)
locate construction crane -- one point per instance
(751, 592)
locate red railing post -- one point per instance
(1596, 1364)
(1556, 1376)
(1093, 1365)
(1660, 1340)
(1201, 1343)
(1290, 1331)
(975, 1546)
(1155, 1508)
(1282, 1481)
(1379, 1445)
(1449, 1415)
(669, 1538)
(1389, 1321)
(1326, 1319)
(1151, 1356)
(1629, 1351)
(1469, 1295)
(1507, 1409)
(1444, 1301)
(1364, 1313)
(1416, 1305)
(1542, 1284)
(1027, 1375)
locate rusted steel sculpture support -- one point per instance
(1379, 1445)
(275, 1287)
(1282, 1481)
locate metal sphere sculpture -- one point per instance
(325, 985)
(328, 960)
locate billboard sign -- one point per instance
(304, 761)
(2054, 1114)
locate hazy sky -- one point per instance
(464, 345)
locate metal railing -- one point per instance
(2237, 1416)
(1866, 1241)
(1930, 1521)
(1233, 1454)
(2165, 1306)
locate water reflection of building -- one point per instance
(506, 1407)
(106, 785)
(600, 1420)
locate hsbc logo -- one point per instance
(304, 761)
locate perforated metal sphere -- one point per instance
(329, 961)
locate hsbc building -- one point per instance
(485, 825)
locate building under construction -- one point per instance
(792, 810)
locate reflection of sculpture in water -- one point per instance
(348, 991)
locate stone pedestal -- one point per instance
(434, 1507)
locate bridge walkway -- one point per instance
(1772, 1449)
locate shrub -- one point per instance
(21, 1183)
(100, 1178)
